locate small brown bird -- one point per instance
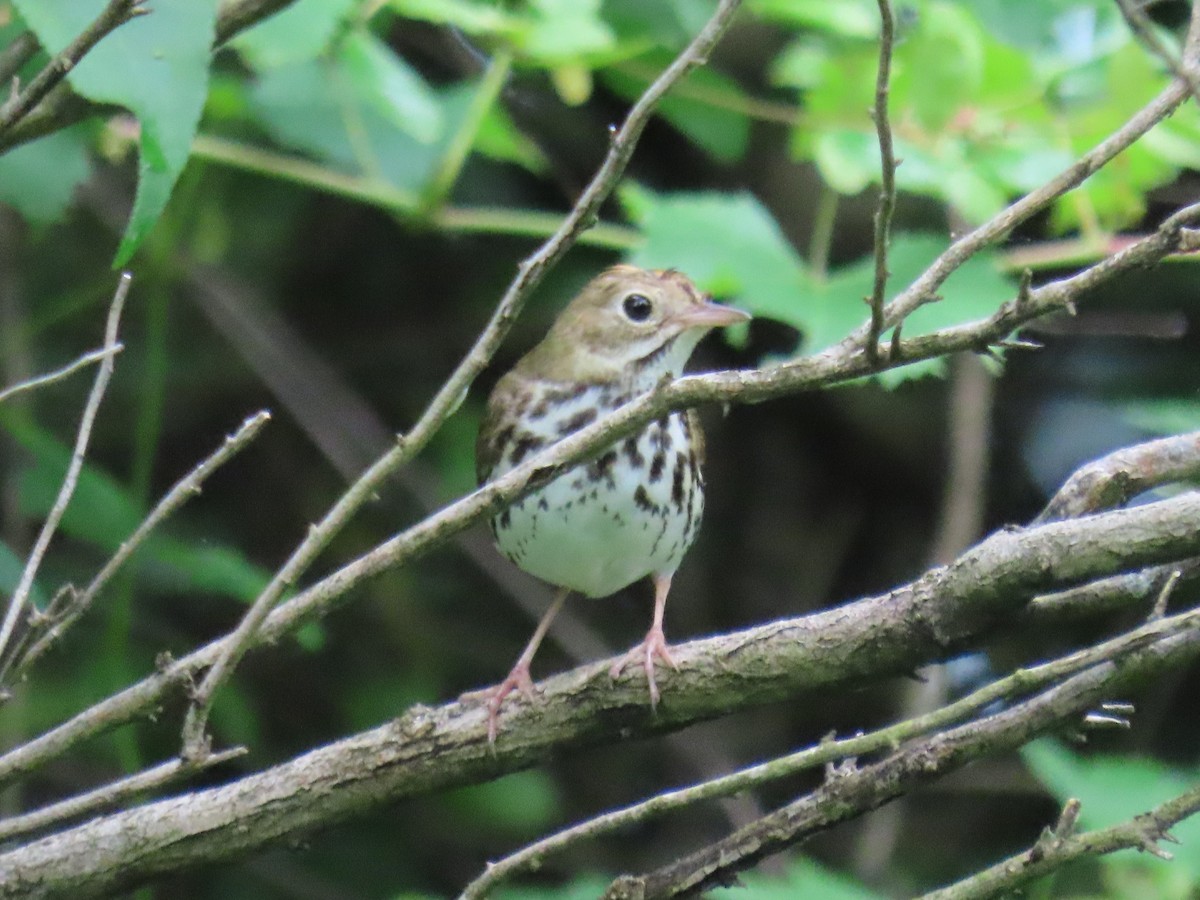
(635, 509)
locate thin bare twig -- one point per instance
(454, 389)
(115, 14)
(109, 795)
(59, 374)
(1055, 849)
(62, 107)
(855, 790)
(924, 289)
(1022, 682)
(832, 366)
(20, 596)
(1118, 593)
(1139, 23)
(16, 54)
(55, 621)
(1153, 247)
(433, 749)
(887, 179)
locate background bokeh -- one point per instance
(323, 256)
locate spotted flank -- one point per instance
(632, 511)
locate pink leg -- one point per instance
(655, 643)
(519, 678)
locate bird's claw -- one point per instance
(655, 645)
(518, 679)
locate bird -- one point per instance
(634, 510)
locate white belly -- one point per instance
(631, 513)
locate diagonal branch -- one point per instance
(20, 595)
(1139, 24)
(887, 176)
(15, 55)
(1020, 683)
(837, 364)
(893, 632)
(115, 14)
(1117, 478)
(432, 749)
(454, 389)
(55, 621)
(1050, 853)
(849, 793)
(59, 374)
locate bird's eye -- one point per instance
(637, 307)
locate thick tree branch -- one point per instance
(1116, 479)
(847, 794)
(839, 363)
(1020, 683)
(454, 389)
(431, 749)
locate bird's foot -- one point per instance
(655, 645)
(518, 679)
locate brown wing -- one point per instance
(697, 433)
(496, 429)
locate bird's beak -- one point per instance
(708, 314)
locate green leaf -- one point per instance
(727, 243)
(296, 33)
(1055, 31)
(11, 569)
(1164, 417)
(939, 66)
(801, 64)
(38, 179)
(472, 17)
(312, 107)
(580, 887)
(103, 514)
(500, 139)
(562, 31)
(838, 306)
(1115, 789)
(847, 160)
(667, 23)
(391, 86)
(156, 66)
(846, 18)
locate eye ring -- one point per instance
(637, 307)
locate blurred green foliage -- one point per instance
(1113, 790)
(372, 169)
